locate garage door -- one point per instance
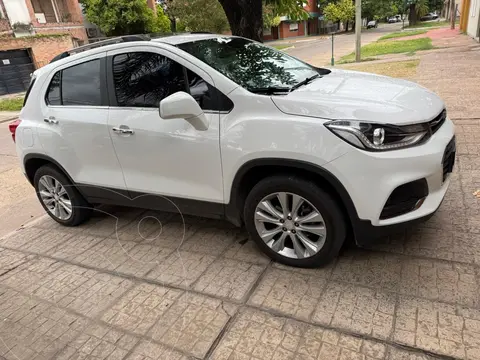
(15, 69)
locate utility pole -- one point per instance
(453, 14)
(358, 30)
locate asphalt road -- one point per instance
(318, 51)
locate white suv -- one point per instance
(224, 127)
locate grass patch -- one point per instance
(281, 47)
(14, 104)
(398, 69)
(390, 47)
(430, 24)
(402, 34)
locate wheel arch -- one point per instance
(255, 170)
(32, 162)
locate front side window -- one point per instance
(76, 85)
(206, 95)
(250, 64)
(143, 79)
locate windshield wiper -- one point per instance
(304, 82)
(270, 90)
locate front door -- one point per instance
(162, 157)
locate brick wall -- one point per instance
(285, 32)
(42, 49)
(76, 31)
(4, 25)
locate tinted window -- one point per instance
(53, 92)
(81, 84)
(143, 79)
(207, 96)
(250, 64)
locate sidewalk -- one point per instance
(6, 116)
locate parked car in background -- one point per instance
(225, 127)
(372, 24)
(429, 16)
(392, 20)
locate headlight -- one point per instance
(379, 137)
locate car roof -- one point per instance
(184, 38)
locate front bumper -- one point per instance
(371, 177)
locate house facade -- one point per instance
(470, 18)
(32, 32)
(290, 28)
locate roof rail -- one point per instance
(101, 43)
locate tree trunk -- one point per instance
(245, 18)
(412, 17)
(346, 26)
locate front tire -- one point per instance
(294, 221)
(60, 199)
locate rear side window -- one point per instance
(76, 85)
(53, 92)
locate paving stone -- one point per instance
(434, 243)
(229, 279)
(31, 329)
(139, 309)
(431, 279)
(98, 342)
(148, 350)
(246, 250)
(290, 293)
(10, 259)
(437, 327)
(145, 228)
(259, 335)
(172, 235)
(181, 268)
(400, 354)
(74, 246)
(357, 309)
(211, 241)
(35, 240)
(123, 256)
(110, 220)
(192, 324)
(85, 291)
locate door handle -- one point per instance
(122, 130)
(51, 120)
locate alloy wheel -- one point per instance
(55, 197)
(290, 225)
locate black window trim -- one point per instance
(103, 87)
(110, 84)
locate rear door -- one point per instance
(74, 130)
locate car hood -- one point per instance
(352, 95)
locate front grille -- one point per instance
(436, 123)
(404, 199)
(448, 160)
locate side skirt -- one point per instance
(102, 195)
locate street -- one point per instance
(319, 52)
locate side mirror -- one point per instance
(183, 105)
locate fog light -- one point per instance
(378, 136)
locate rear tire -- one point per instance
(309, 228)
(60, 199)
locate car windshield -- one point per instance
(250, 64)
